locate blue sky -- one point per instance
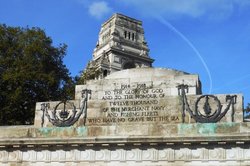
(206, 37)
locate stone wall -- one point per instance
(143, 116)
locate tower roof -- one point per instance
(122, 16)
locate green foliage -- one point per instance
(91, 72)
(247, 109)
(31, 70)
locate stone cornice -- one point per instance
(30, 136)
(235, 140)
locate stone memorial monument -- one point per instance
(132, 114)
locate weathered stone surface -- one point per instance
(129, 102)
(187, 130)
(143, 78)
(168, 144)
(150, 154)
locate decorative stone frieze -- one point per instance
(125, 155)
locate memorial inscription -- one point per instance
(138, 102)
(128, 98)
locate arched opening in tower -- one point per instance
(105, 73)
(129, 65)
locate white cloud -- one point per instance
(99, 9)
(172, 9)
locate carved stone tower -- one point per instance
(121, 45)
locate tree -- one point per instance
(31, 70)
(247, 112)
(91, 72)
(247, 109)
